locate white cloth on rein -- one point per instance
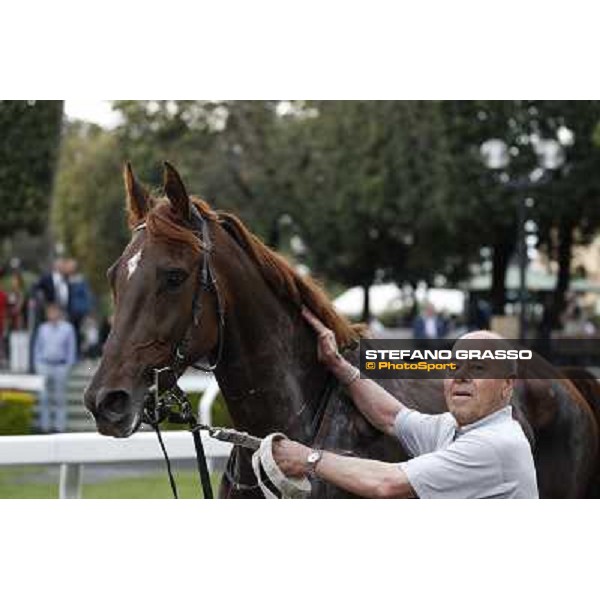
(289, 487)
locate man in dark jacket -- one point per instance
(53, 287)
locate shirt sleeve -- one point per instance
(420, 433)
(464, 469)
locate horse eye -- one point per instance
(175, 277)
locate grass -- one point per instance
(20, 482)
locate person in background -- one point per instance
(16, 301)
(3, 320)
(479, 315)
(17, 335)
(54, 353)
(52, 288)
(90, 338)
(80, 297)
(429, 325)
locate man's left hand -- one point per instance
(291, 457)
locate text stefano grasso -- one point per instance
(498, 354)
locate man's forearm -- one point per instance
(363, 477)
(378, 406)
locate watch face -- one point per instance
(313, 457)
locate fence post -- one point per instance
(69, 486)
(205, 413)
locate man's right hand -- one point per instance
(378, 406)
(327, 349)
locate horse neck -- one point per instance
(269, 373)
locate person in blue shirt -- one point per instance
(80, 298)
(54, 353)
(429, 325)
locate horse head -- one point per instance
(158, 296)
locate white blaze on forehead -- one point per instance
(132, 263)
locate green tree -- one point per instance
(368, 187)
(227, 152)
(89, 209)
(29, 145)
(568, 207)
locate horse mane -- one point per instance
(281, 277)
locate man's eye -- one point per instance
(175, 278)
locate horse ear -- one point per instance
(176, 192)
(138, 199)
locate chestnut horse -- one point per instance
(267, 366)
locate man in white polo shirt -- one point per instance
(476, 450)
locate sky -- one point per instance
(96, 111)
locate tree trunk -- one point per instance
(565, 247)
(500, 258)
(366, 314)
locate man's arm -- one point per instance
(364, 477)
(378, 406)
(360, 476)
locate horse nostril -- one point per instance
(113, 404)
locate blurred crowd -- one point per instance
(23, 309)
(46, 327)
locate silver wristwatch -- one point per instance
(312, 460)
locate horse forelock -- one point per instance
(164, 224)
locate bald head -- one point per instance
(481, 334)
(500, 343)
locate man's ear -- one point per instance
(176, 192)
(508, 388)
(138, 199)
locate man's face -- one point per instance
(429, 311)
(61, 265)
(471, 399)
(53, 314)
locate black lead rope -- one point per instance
(176, 408)
(156, 410)
(202, 465)
(169, 471)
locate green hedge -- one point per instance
(16, 412)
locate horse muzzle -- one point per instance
(113, 410)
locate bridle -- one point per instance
(165, 400)
(206, 281)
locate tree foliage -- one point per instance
(29, 143)
(89, 207)
(390, 190)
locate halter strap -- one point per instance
(206, 281)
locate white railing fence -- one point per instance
(74, 450)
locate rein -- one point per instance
(174, 406)
(172, 403)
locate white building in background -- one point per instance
(388, 297)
